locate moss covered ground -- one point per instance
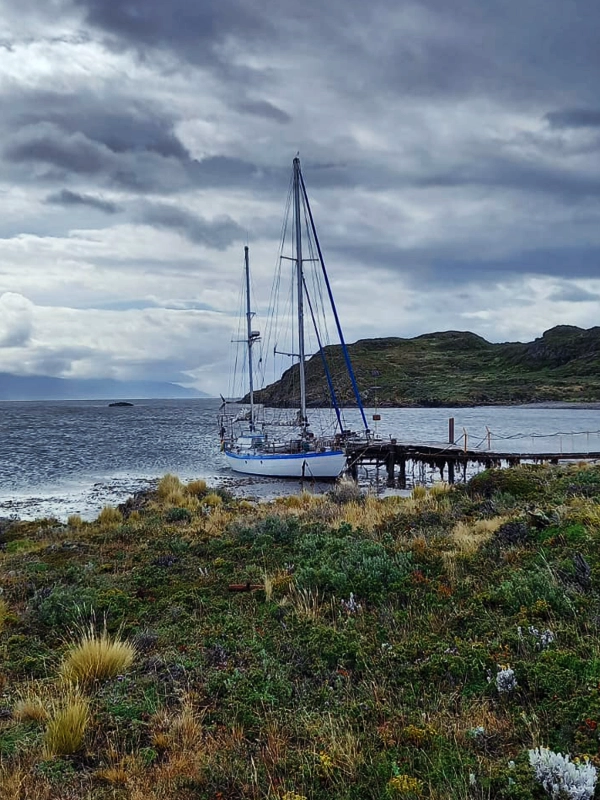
(378, 648)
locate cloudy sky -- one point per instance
(450, 147)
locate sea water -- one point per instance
(73, 457)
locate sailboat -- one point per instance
(253, 449)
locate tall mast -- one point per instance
(251, 338)
(300, 291)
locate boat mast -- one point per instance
(300, 290)
(251, 337)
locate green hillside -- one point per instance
(455, 368)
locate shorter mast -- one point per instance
(251, 336)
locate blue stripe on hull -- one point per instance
(276, 456)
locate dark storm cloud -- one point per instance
(121, 124)
(46, 144)
(118, 162)
(219, 233)
(68, 198)
(447, 266)
(574, 118)
(573, 294)
(512, 47)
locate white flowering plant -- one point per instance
(506, 681)
(561, 777)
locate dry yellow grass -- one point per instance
(167, 485)
(110, 516)
(466, 538)
(32, 704)
(66, 725)
(439, 489)
(212, 500)
(96, 657)
(4, 613)
(582, 510)
(196, 488)
(218, 521)
(306, 603)
(75, 521)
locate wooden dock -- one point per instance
(450, 459)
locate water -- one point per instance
(65, 457)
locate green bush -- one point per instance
(522, 483)
(271, 530)
(343, 561)
(525, 590)
(177, 514)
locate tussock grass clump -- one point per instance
(169, 485)
(419, 493)
(213, 500)
(346, 491)
(439, 489)
(31, 706)
(96, 657)
(66, 726)
(75, 521)
(110, 516)
(196, 488)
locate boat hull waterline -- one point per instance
(297, 465)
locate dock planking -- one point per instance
(448, 458)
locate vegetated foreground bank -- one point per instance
(454, 368)
(396, 648)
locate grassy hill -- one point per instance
(455, 368)
(402, 648)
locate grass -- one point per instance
(96, 656)
(190, 691)
(66, 726)
(108, 516)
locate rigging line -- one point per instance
(542, 435)
(275, 286)
(335, 314)
(324, 360)
(314, 273)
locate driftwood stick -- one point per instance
(245, 587)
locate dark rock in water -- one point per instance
(120, 404)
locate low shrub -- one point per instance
(342, 562)
(178, 514)
(522, 483)
(346, 491)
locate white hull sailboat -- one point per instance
(254, 450)
(288, 465)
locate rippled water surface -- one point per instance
(63, 457)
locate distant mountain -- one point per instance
(454, 368)
(41, 387)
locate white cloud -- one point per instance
(16, 319)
